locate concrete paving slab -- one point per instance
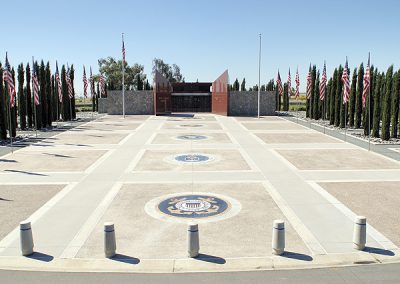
(262, 118)
(334, 159)
(139, 235)
(224, 160)
(284, 138)
(85, 138)
(49, 160)
(272, 126)
(18, 202)
(109, 125)
(378, 201)
(189, 125)
(176, 138)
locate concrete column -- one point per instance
(278, 237)
(360, 232)
(26, 238)
(109, 240)
(193, 240)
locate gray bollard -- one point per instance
(109, 240)
(193, 240)
(278, 237)
(26, 238)
(360, 232)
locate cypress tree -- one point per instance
(311, 101)
(369, 105)
(332, 99)
(386, 106)
(308, 100)
(316, 108)
(377, 103)
(14, 110)
(72, 76)
(43, 94)
(29, 96)
(360, 87)
(285, 97)
(352, 103)
(243, 85)
(21, 97)
(49, 95)
(65, 99)
(338, 96)
(3, 117)
(395, 105)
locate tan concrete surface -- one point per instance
(18, 202)
(225, 160)
(87, 138)
(337, 159)
(170, 138)
(52, 160)
(296, 138)
(195, 118)
(262, 118)
(142, 236)
(378, 201)
(190, 125)
(273, 126)
(109, 126)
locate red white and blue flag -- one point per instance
(91, 83)
(8, 79)
(59, 87)
(69, 83)
(279, 84)
(102, 87)
(309, 83)
(35, 83)
(346, 83)
(367, 83)
(289, 83)
(123, 52)
(323, 84)
(297, 80)
(85, 83)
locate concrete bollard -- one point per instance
(193, 240)
(360, 232)
(26, 238)
(109, 240)
(278, 237)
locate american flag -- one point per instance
(35, 86)
(7, 77)
(91, 83)
(367, 82)
(60, 97)
(297, 83)
(289, 83)
(346, 84)
(102, 88)
(309, 83)
(69, 84)
(123, 52)
(85, 83)
(279, 84)
(323, 84)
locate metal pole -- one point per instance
(369, 107)
(10, 132)
(33, 92)
(345, 123)
(123, 83)
(259, 79)
(323, 115)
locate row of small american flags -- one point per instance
(345, 80)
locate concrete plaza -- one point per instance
(116, 169)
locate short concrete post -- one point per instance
(278, 237)
(26, 238)
(360, 232)
(109, 240)
(193, 240)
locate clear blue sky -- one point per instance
(204, 37)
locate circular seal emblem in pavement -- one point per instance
(193, 206)
(191, 125)
(192, 158)
(192, 137)
(202, 206)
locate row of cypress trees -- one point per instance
(382, 103)
(25, 114)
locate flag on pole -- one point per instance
(91, 83)
(297, 84)
(279, 84)
(35, 86)
(58, 79)
(289, 83)
(346, 84)
(7, 77)
(323, 84)
(85, 82)
(123, 52)
(309, 83)
(102, 87)
(69, 84)
(367, 83)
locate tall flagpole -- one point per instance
(369, 105)
(123, 79)
(259, 79)
(34, 105)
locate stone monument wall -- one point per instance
(245, 103)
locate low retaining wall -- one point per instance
(245, 103)
(136, 102)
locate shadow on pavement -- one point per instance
(379, 251)
(125, 259)
(28, 173)
(41, 257)
(210, 258)
(298, 256)
(7, 161)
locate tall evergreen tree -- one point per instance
(29, 96)
(352, 102)
(332, 97)
(72, 75)
(316, 107)
(65, 109)
(386, 106)
(49, 95)
(395, 105)
(360, 87)
(285, 97)
(3, 117)
(43, 94)
(14, 110)
(338, 96)
(328, 99)
(243, 85)
(21, 97)
(377, 105)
